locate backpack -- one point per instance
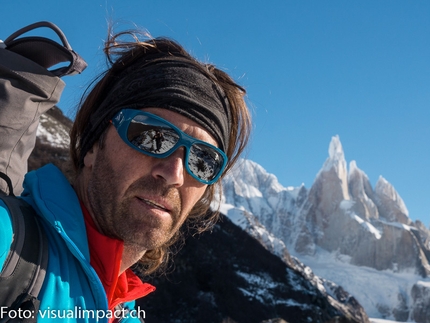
(31, 68)
(24, 269)
(28, 89)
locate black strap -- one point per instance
(8, 182)
(24, 270)
(45, 51)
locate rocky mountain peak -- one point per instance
(344, 216)
(334, 172)
(390, 204)
(329, 189)
(335, 150)
(336, 156)
(371, 227)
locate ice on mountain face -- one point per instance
(335, 154)
(424, 232)
(295, 191)
(249, 187)
(348, 207)
(51, 132)
(362, 182)
(249, 223)
(368, 226)
(245, 186)
(390, 204)
(335, 149)
(384, 188)
(251, 174)
(259, 286)
(235, 215)
(335, 167)
(361, 192)
(369, 286)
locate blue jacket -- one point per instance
(71, 286)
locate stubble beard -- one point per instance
(115, 215)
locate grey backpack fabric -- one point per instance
(27, 90)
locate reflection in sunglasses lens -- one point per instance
(204, 161)
(157, 138)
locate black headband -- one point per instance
(172, 83)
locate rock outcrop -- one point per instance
(420, 311)
(340, 214)
(371, 226)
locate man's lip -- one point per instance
(164, 205)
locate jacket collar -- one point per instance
(55, 200)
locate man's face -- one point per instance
(140, 199)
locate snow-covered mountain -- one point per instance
(52, 142)
(356, 236)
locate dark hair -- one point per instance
(123, 54)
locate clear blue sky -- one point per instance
(312, 69)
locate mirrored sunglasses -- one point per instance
(156, 137)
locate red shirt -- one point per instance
(105, 257)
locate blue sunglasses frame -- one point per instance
(122, 121)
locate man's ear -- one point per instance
(91, 155)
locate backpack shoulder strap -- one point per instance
(24, 270)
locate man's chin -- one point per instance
(147, 242)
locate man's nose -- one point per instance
(171, 168)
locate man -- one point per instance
(130, 199)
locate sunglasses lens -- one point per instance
(153, 139)
(204, 162)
